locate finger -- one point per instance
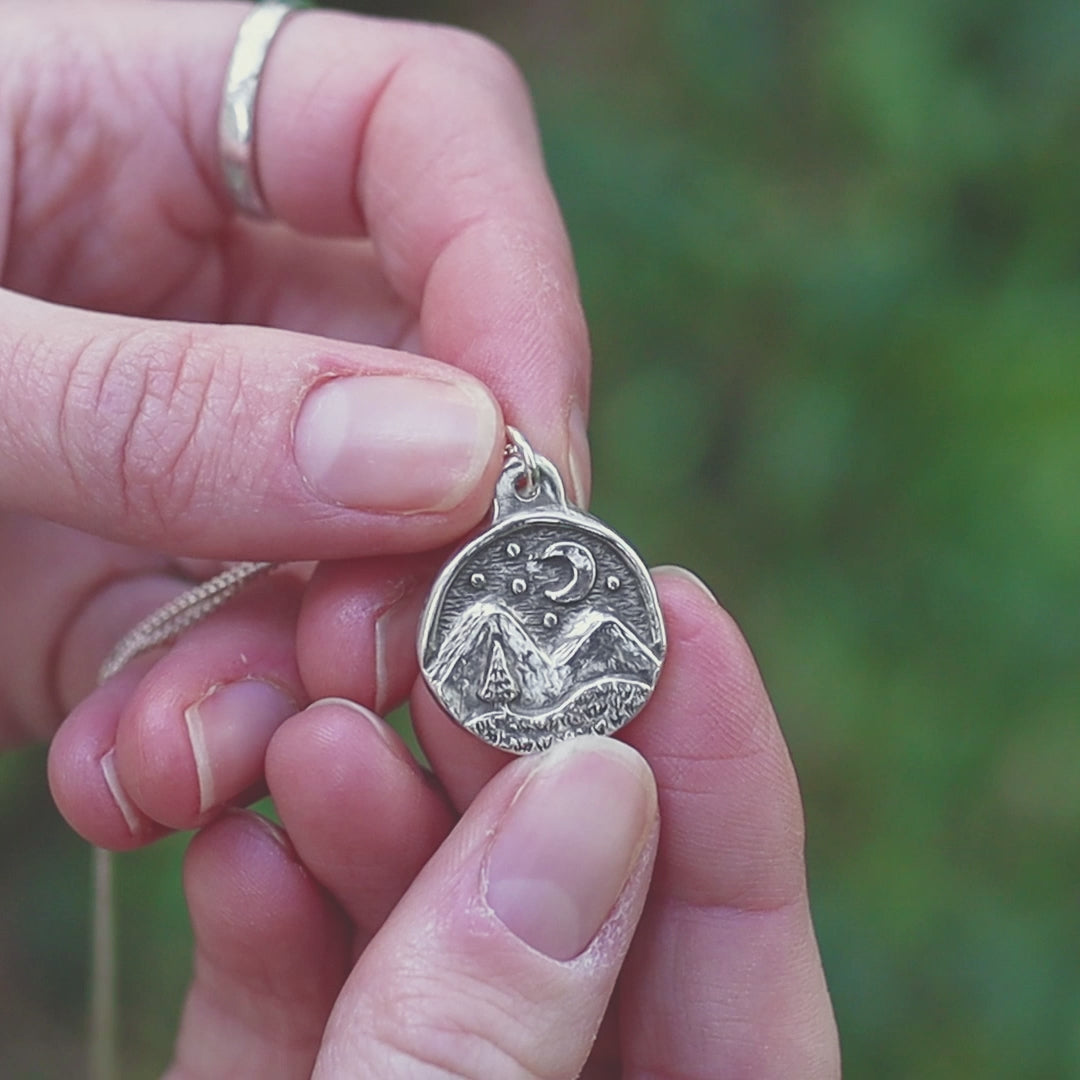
(421, 136)
(452, 188)
(730, 894)
(371, 821)
(190, 736)
(314, 285)
(82, 768)
(237, 442)
(462, 762)
(501, 958)
(68, 598)
(724, 979)
(356, 637)
(270, 954)
(193, 736)
(192, 739)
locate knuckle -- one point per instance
(25, 361)
(481, 57)
(143, 408)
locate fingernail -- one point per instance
(267, 828)
(132, 817)
(568, 843)
(229, 730)
(579, 456)
(388, 442)
(687, 576)
(395, 646)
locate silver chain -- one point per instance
(172, 619)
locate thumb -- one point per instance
(227, 441)
(502, 956)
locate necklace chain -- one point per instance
(172, 619)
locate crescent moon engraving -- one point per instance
(583, 566)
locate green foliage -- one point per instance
(831, 257)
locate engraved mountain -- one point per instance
(489, 657)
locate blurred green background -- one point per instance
(831, 258)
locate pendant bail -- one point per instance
(529, 483)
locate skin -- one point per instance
(154, 351)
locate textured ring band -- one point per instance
(236, 120)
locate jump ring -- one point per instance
(518, 446)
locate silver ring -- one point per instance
(236, 120)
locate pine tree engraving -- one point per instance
(499, 686)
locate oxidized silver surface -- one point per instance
(546, 625)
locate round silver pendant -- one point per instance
(545, 626)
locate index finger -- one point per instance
(421, 137)
(426, 136)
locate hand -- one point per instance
(416, 236)
(317, 950)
